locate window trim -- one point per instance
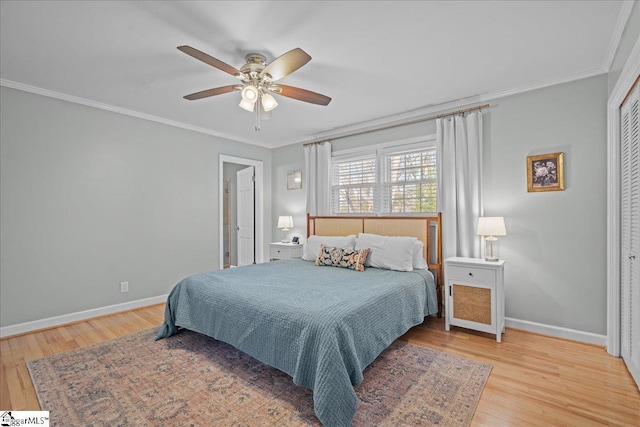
(425, 141)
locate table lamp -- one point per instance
(489, 227)
(285, 222)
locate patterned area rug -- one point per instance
(192, 380)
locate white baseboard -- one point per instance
(51, 322)
(525, 325)
(556, 331)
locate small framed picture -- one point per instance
(294, 180)
(545, 172)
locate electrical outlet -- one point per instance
(124, 287)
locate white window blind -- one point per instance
(354, 185)
(399, 180)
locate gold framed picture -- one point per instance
(545, 172)
(294, 180)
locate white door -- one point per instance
(630, 233)
(246, 217)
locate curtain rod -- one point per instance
(424, 119)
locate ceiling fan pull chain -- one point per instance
(258, 107)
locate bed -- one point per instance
(321, 325)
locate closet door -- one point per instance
(630, 216)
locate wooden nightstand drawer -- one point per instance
(473, 274)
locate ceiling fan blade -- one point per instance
(300, 94)
(212, 92)
(286, 64)
(209, 60)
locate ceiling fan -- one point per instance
(257, 81)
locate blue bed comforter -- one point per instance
(321, 325)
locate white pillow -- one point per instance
(418, 260)
(392, 253)
(312, 247)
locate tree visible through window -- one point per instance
(390, 182)
(411, 182)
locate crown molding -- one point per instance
(396, 119)
(616, 37)
(120, 110)
(545, 83)
(444, 108)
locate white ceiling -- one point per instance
(373, 58)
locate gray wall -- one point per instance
(90, 198)
(556, 243)
(288, 202)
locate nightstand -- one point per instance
(280, 250)
(474, 295)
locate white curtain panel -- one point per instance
(459, 142)
(317, 179)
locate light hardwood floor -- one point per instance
(535, 381)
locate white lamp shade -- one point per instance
(285, 222)
(491, 226)
(247, 105)
(268, 102)
(249, 93)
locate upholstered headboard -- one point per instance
(426, 229)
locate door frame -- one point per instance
(627, 77)
(259, 204)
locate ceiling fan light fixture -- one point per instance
(250, 94)
(247, 105)
(256, 78)
(268, 102)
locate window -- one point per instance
(397, 180)
(354, 185)
(410, 181)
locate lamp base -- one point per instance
(491, 253)
(284, 235)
